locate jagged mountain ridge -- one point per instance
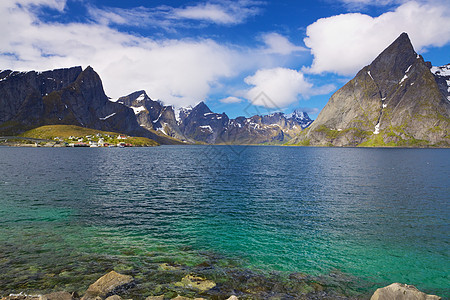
(394, 101)
(200, 124)
(63, 97)
(74, 96)
(153, 115)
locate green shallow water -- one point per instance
(352, 219)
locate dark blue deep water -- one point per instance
(368, 216)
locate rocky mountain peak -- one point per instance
(201, 108)
(299, 116)
(388, 68)
(394, 101)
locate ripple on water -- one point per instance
(352, 218)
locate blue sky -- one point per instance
(240, 57)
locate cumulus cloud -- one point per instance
(231, 99)
(278, 44)
(343, 44)
(276, 88)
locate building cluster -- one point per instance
(97, 140)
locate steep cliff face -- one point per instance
(395, 101)
(21, 94)
(65, 96)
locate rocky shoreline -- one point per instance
(115, 286)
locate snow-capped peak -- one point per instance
(298, 115)
(181, 110)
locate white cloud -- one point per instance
(179, 72)
(55, 4)
(231, 99)
(278, 44)
(222, 12)
(276, 88)
(345, 43)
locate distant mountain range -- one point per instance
(76, 97)
(397, 100)
(200, 124)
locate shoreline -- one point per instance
(116, 286)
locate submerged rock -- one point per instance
(58, 296)
(167, 267)
(114, 297)
(155, 297)
(196, 282)
(399, 291)
(233, 298)
(107, 285)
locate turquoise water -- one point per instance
(352, 219)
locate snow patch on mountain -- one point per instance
(138, 110)
(441, 71)
(107, 117)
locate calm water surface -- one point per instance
(373, 216)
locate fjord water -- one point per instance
(372, 216)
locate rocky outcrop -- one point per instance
(399, 291)
(108, 285)
(395, 101)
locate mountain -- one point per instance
(200, 124)
(394, 101)
(63, 97)
(275, 128)
(153, 115)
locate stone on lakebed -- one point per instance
(196, 282)
(399, 291)
(107, 285)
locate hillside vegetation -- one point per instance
(66, 133)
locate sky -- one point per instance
(241, 57)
